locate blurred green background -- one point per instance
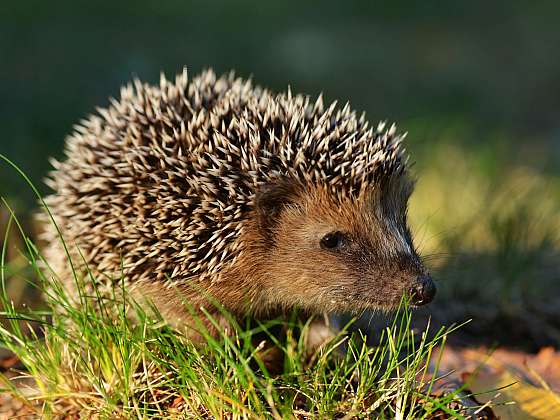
(476, 84)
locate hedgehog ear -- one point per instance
(269, 202)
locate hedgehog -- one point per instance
(217, 189)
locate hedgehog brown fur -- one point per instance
(266, 201)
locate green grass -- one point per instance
(112, 358)
(88, 362)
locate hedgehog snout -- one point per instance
(423, 290)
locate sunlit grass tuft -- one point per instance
(92, 362)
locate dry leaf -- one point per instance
(529, 402)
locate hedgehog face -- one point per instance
(345, 254)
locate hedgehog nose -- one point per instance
(423, 290)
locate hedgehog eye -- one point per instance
(332, 240)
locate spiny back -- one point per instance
(162, 182)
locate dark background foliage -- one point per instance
(491, 67)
